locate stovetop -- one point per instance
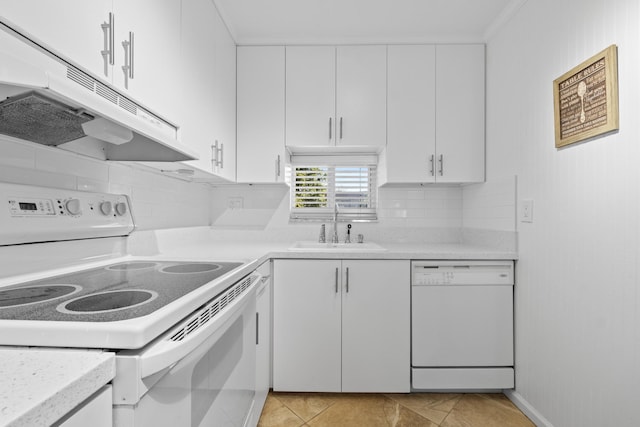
(115, 292)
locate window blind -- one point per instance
(317, 189)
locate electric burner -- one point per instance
(191, 268)
(131, 266)
(107, 301)
(27, 295)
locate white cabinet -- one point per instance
(95, 411)
(336, 95)
(341, 325)
(208, 89)
(435, 114)
(261, 86)
(263, 341)
(132, 45)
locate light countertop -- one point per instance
(39, 386)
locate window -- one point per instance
(317, 188)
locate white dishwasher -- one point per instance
(462, 325)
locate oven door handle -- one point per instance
(167, 350)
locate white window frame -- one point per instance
(350, 182)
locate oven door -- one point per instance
(213, 384)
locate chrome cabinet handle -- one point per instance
(336, 280)
(126, 66)
(441, 165)
(278, 167)
(432, 161)
(107, 51)
(330, 128)
(257, 328)
(131, 54)
(340, 127)
(221, 156)
(214, 154)
(347, 279)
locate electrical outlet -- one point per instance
(526, 210)
(235, 202)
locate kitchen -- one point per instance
(575, 300)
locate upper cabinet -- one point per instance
(131, 45)
(261, 150)
(336, 95)
(436, 98)
(208, 94)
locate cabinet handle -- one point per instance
(126, 67)
(221, 156)
(330, 126)
(340, 127)
(214, 155)
(336, 280)
(107, 51)
(347, 279)
(131, 54)
(278, 167)
(257, 328)
(432, 161)
(441, 164)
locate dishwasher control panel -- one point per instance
(439, 273)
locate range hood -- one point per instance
(47, 100)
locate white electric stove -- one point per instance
(182, 330)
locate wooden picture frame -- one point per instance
(586, 99)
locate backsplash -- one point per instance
(158, 201)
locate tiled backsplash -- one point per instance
(158, 201)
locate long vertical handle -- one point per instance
(131, 54)
(347, 279)
(336, 280)
(107, 51)
(214, 155)
(221, 157)
(441, 165)
(278, 167)
(127, 66)
(340, 127)
(257, 328)
(330, 128)
(432, 161)
(112, 38)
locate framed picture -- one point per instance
(586, 99)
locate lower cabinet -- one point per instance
(95, 411)
(341, 325)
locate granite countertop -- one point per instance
(39, 386)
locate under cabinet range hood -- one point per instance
(46, 100)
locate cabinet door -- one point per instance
(71, 28)
(411, 114)
(153, 28)
(224, 98)
(376, 326)
(263, 345)
(197, 88)
(310, 95)
(306, 325)
(361, 95)
(460, 99)
(261, 114)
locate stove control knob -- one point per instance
(121, 208)
(73, 206)
(106, 208)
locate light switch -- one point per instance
(526, 210)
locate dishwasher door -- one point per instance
(462, 324)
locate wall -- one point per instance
(406, 213)
(577, 294)
(158, 201)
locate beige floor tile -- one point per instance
(275, 414)
(485, 410)
(433, 406)
(358, 410)
(306, 405)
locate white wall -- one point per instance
(577, 292)
(158, 201)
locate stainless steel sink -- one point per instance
(310, 246)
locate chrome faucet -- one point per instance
(335, 225)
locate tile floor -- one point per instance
(391, 410)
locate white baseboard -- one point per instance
(531, 412)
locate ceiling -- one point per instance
(364, 21)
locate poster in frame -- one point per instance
(586, 99)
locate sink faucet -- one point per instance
(335, 225)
